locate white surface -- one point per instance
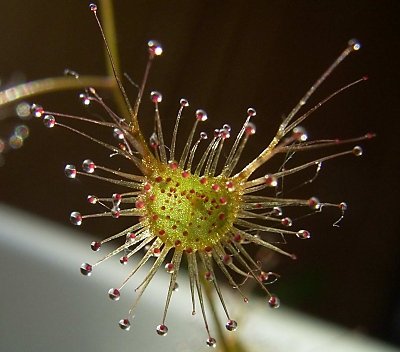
(47, 305)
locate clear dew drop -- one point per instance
(88, 166)
(95, 246)
(70, 171)
(86, 269)
(76, 218)
(251, 112)
(231, 325)
(49, 121)
(21, 131)
(274, 302)
(184, 102)
(268, 278)
(15, 142)
(343, 206)
(93, 7)
(271, 180)
(211, 342)
(357, 151)
(23, 111)
(114, 294)
(71, 73)
(287, 222)
(37, 110)
(118, 134)
(124, 324)
(123, 260)
(250, 129)
(314, 203)
(201, 115)
(155, 48)
(354, 44)
(92, 199)
(84, 97)
(203, 135)
(156, 97)
(176, 287)
(162, 330)
(303, 234)
(300, 134)
(169, 267)
(277, 211)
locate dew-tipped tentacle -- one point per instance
(173, 269)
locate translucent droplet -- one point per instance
(36, 110)
(123, 260)
(176, 287)
(184, 102)
(124, 324)
(303, 234)
(277, 211)
(250, 129)
(268, 278)
(15, 142)
(86, 269)
(118, 134)
(88, 166)
(70, 171)
(357, 151)
(95, 246)
(201, 115)
(203, 135)
(154, 47)
(76, 218)
(287, 222)
(343, 206)
(23, 110)
(211, 342)
(271, 180)
(314, 203)
(162, 330)
(251, 112)
(300, 134)
(274, 302)
(227, 259)
(49, 121)
(154, 142)
(93, 7)
(156, 97)
(224, 134)
(226, 127)
(114, 294)
(208, 276)
(72, 73)
(354, 44)
(169, 267)
(21, 131)
(231, 325)
(92, 199)
(85, 98)
(115, 212)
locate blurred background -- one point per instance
(224, 57)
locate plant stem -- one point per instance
(47, 85)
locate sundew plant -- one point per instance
(194, 206)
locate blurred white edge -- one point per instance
(47, 305)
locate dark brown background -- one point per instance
(225, 56)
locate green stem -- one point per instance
(48, 85)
